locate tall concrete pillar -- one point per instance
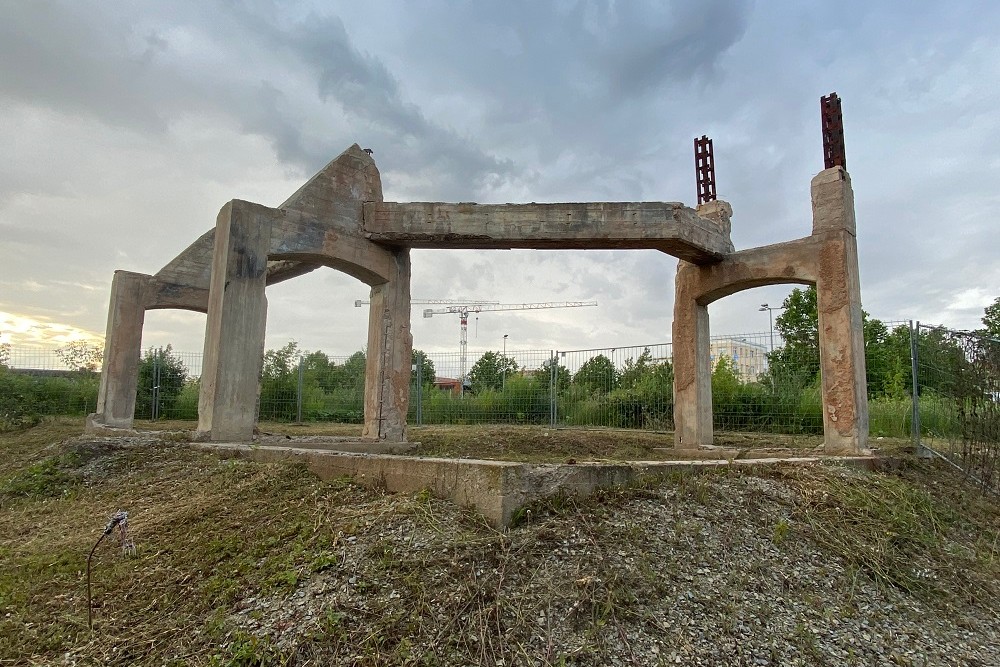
(390, 354)
(237, 316)
(122, 351)
(692, 364)
(841, 334)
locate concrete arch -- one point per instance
(828, 259)
(338, 219)
(224, 274)
(321, 224)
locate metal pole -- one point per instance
(770, 319)
(298, 393)
(420, 388)
(503, 370)
(553, 387)
(155, 391)
(918, 448)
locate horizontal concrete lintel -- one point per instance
(666, 226)
(498, 489)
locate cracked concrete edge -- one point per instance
(497, 489)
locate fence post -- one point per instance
(154, 393)
(298, 393)
(918, 448)
(420, 387)
(553, 388)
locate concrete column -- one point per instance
(692, 364)
(390, 350)
(841, 334)
(122, 351)
(237, 316)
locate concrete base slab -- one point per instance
(337, 444)
(703, 452)
(498, 489)
(95, 426)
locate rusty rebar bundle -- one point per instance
(704, 166)
(832, 119)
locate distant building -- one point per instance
(448, 384)
(749, 359)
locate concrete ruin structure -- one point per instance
(338, 219)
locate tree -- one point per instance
(597, 375)
(633, 372)
(279, 383)
(796, 363)
(490, 371)
(352, 372)
(81, 356)
(162, 375)
(426, 368)
(563, 378)
(991, 319)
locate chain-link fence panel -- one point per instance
(36, 382)
(760, 382)
(958, 377)
(622, 387)
(503, 386)
(168, 384)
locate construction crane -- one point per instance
(463, 310)
(466, 302)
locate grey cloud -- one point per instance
(108, 65)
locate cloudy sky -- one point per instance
(126, 126)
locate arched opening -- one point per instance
(170, 364)
(761, 382)
(315, 352)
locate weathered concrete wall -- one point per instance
(692, 369)
(667, 226)
(828, 259)
(122, 351)
(237, 313)
(390, 354)
(841, 331)
(497, 489)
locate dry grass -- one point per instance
(242, 563)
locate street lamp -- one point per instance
(504, 370)
(770, 318)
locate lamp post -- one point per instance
(504, 370)
(770, 318)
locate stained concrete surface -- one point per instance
(497, 489)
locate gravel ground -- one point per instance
(701, 571)
(242, 564)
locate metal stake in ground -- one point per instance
(118, 519)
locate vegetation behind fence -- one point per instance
(766, 382)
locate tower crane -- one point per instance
(466, 302)
(463, 310)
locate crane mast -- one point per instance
(463, 311)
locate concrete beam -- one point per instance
(163, 295)
(667, 226)
(295, 235)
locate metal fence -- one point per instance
(936, 386)
(957, 403)
(756, 385)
